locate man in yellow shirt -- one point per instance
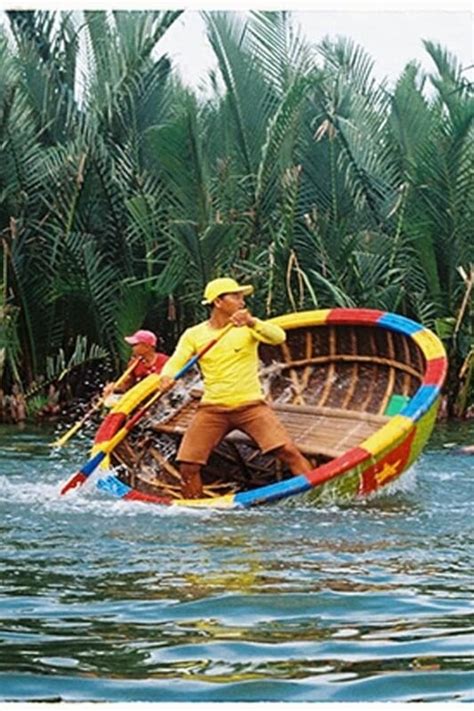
(233, 396)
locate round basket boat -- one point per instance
(357, 389)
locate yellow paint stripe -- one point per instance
(133, 397)
(127, 403)
(220, 502)
(302, 319)
(429, 344)
(397, 428)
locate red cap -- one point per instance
(147, 337)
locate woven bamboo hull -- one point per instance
(358, 391)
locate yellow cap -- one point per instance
(217, 287)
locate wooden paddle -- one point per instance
(83, 474)
(75, 428)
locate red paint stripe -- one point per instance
(435, 371)
(109, 427)
(206, 348)
(347, 461)
(76, 480)
(354, 316)
(396, 458)
(135, 495)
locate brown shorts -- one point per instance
(212, 422)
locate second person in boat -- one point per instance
(233, 396)
(144, 361)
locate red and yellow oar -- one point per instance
(83, 474)
(75, 428)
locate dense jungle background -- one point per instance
(122, 192)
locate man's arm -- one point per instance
(262, 330)
(124, 384)
(182, 353)
(268, 333)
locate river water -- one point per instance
(112, 601)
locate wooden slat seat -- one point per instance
(323, 430)
(315, 430)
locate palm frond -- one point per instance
(246, 91)
(182, 162)
(59, 366)
(332, 293)
(279, 49)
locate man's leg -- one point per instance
(191, 482)
(207, 428)
(292, 457)
(262, 424)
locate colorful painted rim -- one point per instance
(377, 461)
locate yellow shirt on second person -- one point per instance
(230, 367)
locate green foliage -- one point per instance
(59, 366)
(122, 192)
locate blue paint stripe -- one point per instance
(400, 324)
(296, 485)
(90, 466)
(112, 485)
(186, 367)
(421, 402)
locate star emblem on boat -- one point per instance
(387, 472)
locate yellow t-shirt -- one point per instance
(230, 367)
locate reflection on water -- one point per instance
(106, 600)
